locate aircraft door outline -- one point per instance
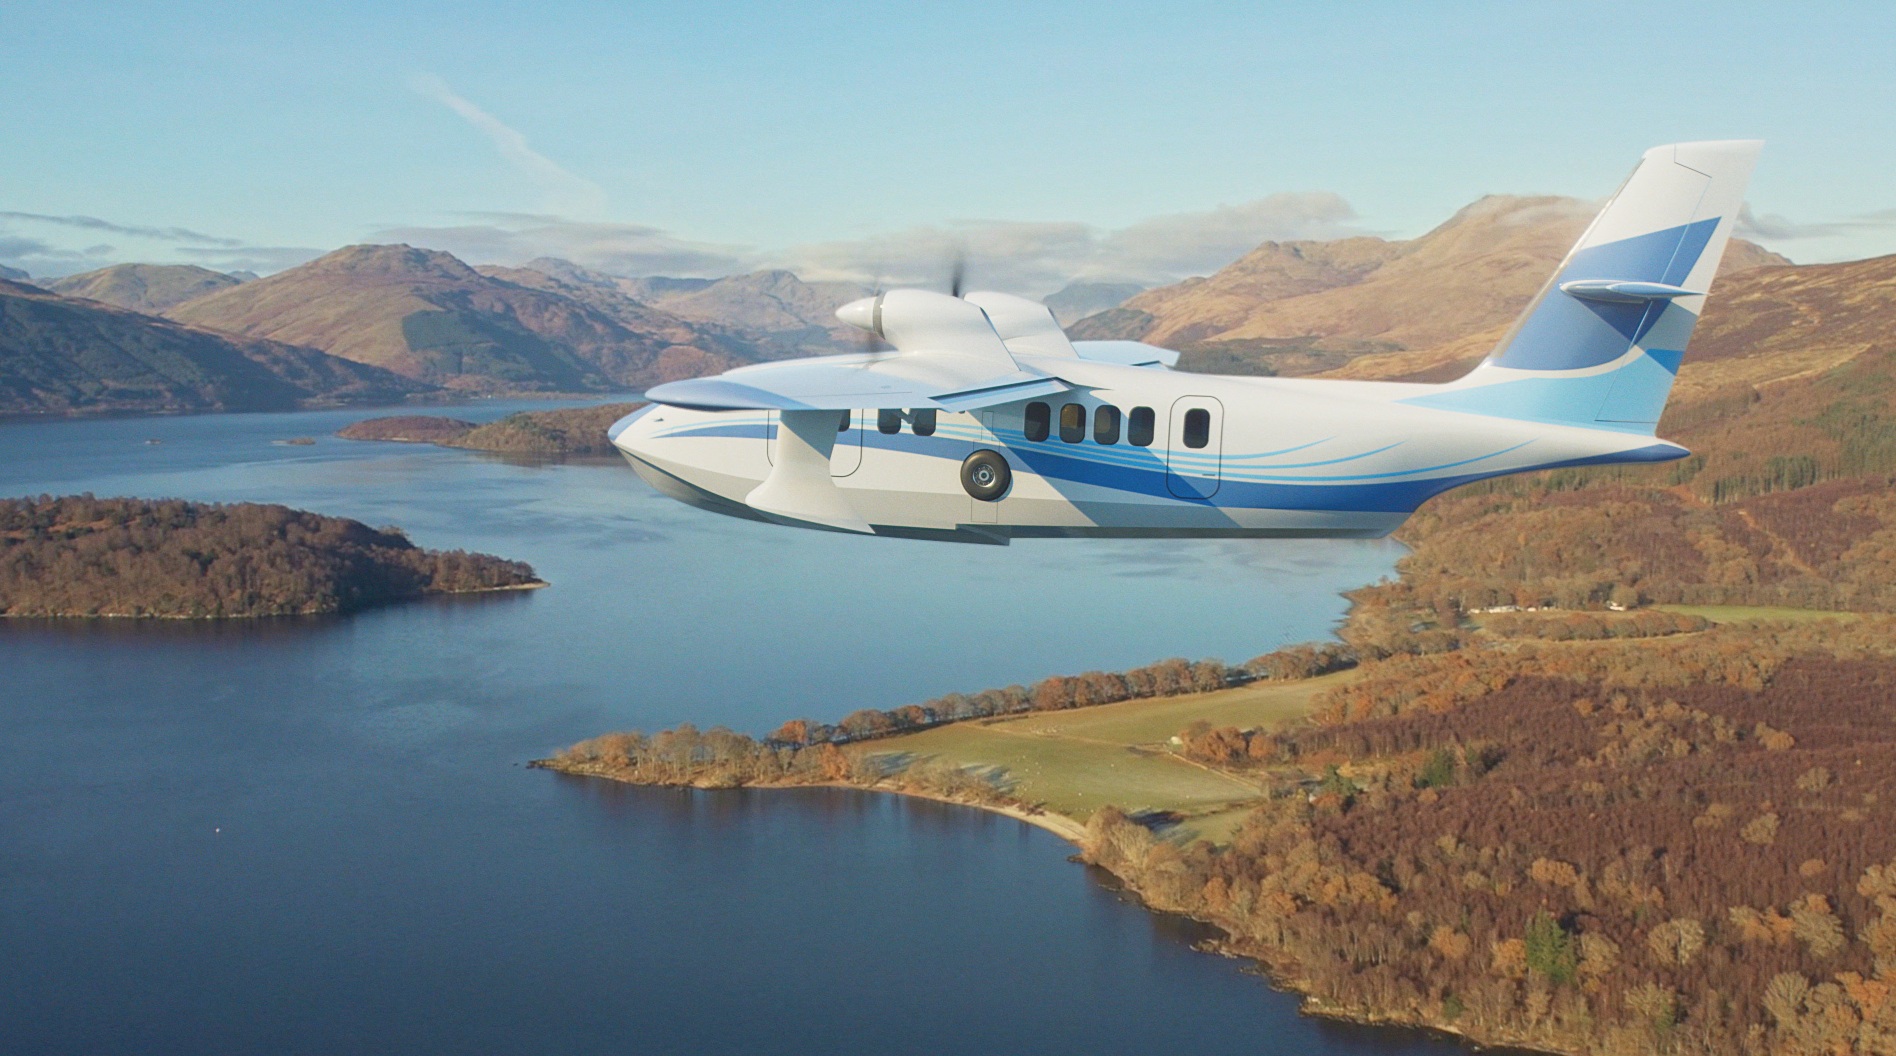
(1194, 447)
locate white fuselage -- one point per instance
(1227, 456)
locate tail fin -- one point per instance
(1601, 343)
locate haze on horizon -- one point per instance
(853, 141)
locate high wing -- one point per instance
(949, 355)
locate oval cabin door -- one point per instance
(1194, 447)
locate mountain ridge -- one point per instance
(427, 315)
(63, 354)
(1314, 306)
(148, 288)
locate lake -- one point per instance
(318, 836)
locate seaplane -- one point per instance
(977, 420)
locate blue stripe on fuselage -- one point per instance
(1362, 493)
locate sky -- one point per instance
(1047, 141)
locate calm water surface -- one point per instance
(316, 836)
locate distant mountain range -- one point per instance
(149, 288)
(1307, 307)
(428, 316)
(65, 355)
(388, 321)
(1081, 299)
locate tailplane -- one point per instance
(1601, 343)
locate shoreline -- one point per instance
(1280, 974)
(535, 585)
(1068, 829)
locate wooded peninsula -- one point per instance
(84, 556)
(566, 431)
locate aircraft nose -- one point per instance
(616, 429)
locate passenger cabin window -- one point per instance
(843, 426)
(925, 422)
(1039, 417)
(1106, 424)
(1197, 427)
(888, 420)
(1073, 422)
(1139, 427)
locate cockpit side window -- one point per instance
(888, 420)
(924, 420)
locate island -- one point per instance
(567, 431)
(80, 556)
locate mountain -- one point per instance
(62, 354)
(1080, 299)
(784, 313)
(148, 288)
(773, 312)
(655, 288)
(428, 316)
(14, 274)
(606, 294)
(1306, 307)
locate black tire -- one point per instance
(985, 475)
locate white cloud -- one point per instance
(93, 223)
(618, 249)
(564, 192)
(1040, 257)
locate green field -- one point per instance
(1757, 613)
(1074, 762)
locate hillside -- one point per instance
(1307, 307)
(148, 288)
(1077, 300)
(81, 556)
(774, 311)
(428, 316)
(63, 355)
(771, 313)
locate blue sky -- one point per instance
(847, 138)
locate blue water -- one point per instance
(316, 836)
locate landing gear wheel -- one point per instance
(985, 475)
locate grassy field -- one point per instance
(1757, 613)
(1074, 762)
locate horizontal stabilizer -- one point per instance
(1620, 291)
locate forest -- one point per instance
(86, 556)
(565, 431)
(1682, 844)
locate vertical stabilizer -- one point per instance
(1601, 342)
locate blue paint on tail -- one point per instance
(1566, 333)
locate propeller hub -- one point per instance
(864, 312)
